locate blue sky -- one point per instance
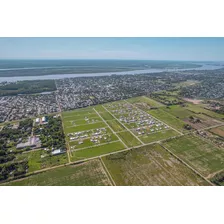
(113, 48)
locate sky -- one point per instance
(190, 49)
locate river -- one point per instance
(134, 72)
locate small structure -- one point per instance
(57, 151)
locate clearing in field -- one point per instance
(149, 165)
(90, 173)
(202, 155)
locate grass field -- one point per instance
(115, 125)
(200, 109)
(149, 165)
(129, 139)
(168, 118)
(218, 131)
(106, 116)
(158, 136)
(90, 173)
(184, 114)
(85, 127)
(35, 162)
(199, 154)
(143, 99)
(96, 151)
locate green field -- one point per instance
(80, 116)
(90, 173)
(199, 154)
(35, 162)
(115, 125)
(161, 135)
(179, 111)
(84, 127)
(143, 99)
(128, 138)
(168, 118)
(88, 143)
(106, 116)
(97, 151)
(149, 165)
(200, 109)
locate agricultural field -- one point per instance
(197, 121)
(199, 153)
(129, 139)
(168, 119)
(144, 102)
(90, 173)
(199, 109)
(150, 165)
(161, 135)
(218, 131)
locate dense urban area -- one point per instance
(157, 129)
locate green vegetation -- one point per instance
(27, 87)
(149, 165)
(218, 179)
(115, 125)
(164, 134)
(128, 138)
(10, 136)
(201, 155)
(143, 99)
(51, 134)
(42, 159)
(167, 118)
(90, 173)
(106, 116)
(96, 151)
(218, 131)
(84, 127)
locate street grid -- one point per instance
(98, 115)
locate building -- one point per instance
(57, 151)
(37, 120)
(31, 142)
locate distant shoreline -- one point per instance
(204, 66)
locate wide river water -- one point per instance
(134, 72)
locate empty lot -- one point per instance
(90, 173)
(150, 165)
(200, 154)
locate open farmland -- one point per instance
(150, 165)
(218, 131)
(129, 139)
(202, 155)
(90, 173)
(201, 110)
(144, 102)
